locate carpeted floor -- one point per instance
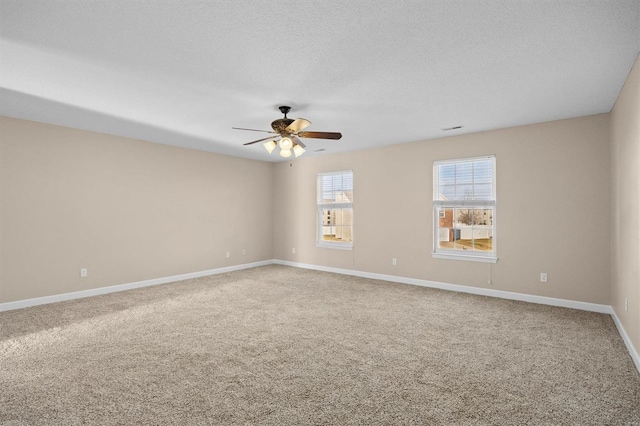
(279, 345)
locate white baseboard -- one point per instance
(25, 303)
(593, 307)
(542, 300)
(584, 306)
(627, 341)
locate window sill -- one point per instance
(470, 258)
(339, 246)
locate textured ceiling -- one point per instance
(381, 72)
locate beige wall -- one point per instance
(127, 210)
(625, 168)
(553, 209)
(130, 210)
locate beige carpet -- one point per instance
(279, 345)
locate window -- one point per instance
(335, 209)
(464, 209)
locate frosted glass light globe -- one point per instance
(286, 153)
(285, 143)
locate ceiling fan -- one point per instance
(289, 131)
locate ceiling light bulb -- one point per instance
(270, 146)
(298, 150)
(285, 143)
(286, 153)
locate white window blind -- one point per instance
(465, 181)
(335, 188)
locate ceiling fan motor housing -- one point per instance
(281, 124)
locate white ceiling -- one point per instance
(381, 72)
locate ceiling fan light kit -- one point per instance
(289, 131)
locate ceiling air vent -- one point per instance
(452, 128)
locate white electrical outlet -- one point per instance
(626, 304)
(543, 277)
(244, 252)
(394, 261)
(293, 250)
(83, 272)
(228, 254)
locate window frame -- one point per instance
(455, 254)
(331, 206)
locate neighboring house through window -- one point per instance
(464, 209)
(335, 209)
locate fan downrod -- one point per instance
(285, 110)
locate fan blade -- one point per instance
(297, 141)
(297, 125)
(320, 135)
(252, 130)
(260, 140)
